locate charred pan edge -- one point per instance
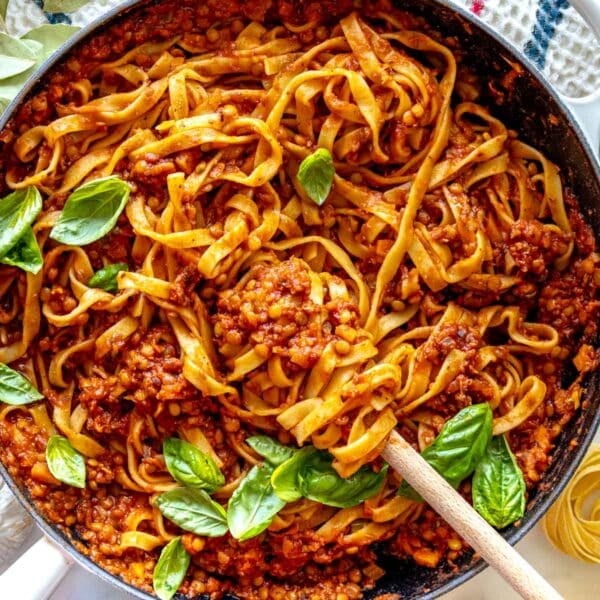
(428, 584)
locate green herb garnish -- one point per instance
(91, 211)
(272, 451)
(18, 211)
(64, 462)
(193, 510)
(170, 569)
(316, 174)
(498, 485)
(25, 254)
(16, 389)
(458, 448)
(106, 278)
(190, 466)
(63, 6)
(254, 504)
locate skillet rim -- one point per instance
(512, 534)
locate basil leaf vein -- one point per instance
(106, 278)
(25, 254)
(64, 462)
(458, 448)
(170, 569)
(272, 451)
(315, 175)
(16, 389)
(320, 482)
(498, 485)
(254, 504)
(285, 478)
(12, 46)
(310, 474)
(91, 211)
(193, 510)
(190, 466)
(18, 211)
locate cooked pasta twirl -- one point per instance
(251, 240)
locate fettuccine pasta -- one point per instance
(573, 522)
(212, 296)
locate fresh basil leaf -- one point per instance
(36, 49)
(106, 278)
(320, 482)
(170, 569)
(91, 211)
(18, 211)
(191, 466)
(28, 49)
(310, 474)
(272, 451)
(498, 485)
(3, 8)
(253, 505)
(16, 389)
(10, 46)
(21, 56)
(407, 491)
(13, 65)
(51, 37)
(63, 6)
(458, 448)
(25, 254)
(461, 443)
(285, 480)
(10, 87)
(316, 175)
(193, 510)
(17, 56)
(64, 462)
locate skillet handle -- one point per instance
(587, 109)
(36, 573)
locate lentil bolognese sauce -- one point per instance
(241, 242)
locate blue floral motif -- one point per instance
(549, 14)
(54, 18)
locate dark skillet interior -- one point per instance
(533, 109)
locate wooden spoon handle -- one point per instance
(463, 518)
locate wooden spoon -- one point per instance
(463, 518)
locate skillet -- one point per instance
(533, 108)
